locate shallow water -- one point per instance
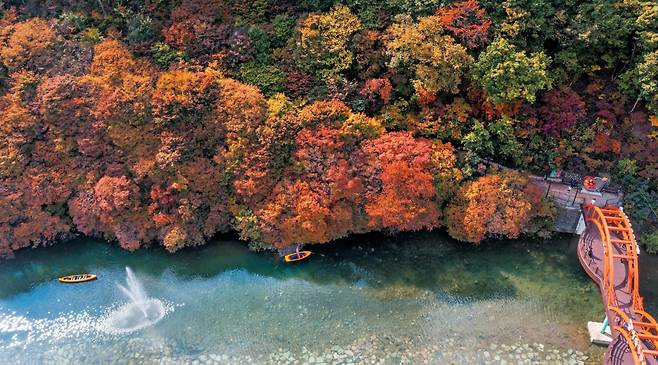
(405, 299)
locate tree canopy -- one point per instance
(290, 122)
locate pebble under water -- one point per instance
(409, 299)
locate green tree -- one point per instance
(642, 81)
(578, 35)
(647, 24)
(528, 24)
(507, 74)
(262, 45)
(604, 30)
(640, 195)
(139, 28)
(479, 140)
(283, 28)
(164, 55)
(650, 241)
(415, 7)
(269, 79)
(251, 11)
(507, 146)
(497, 139)
(373, 13)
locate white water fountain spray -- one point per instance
(141, 311)
(134, 291)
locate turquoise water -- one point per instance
(403, 299)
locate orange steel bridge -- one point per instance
(607, 250)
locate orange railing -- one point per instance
(637, 327)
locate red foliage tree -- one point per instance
(194, 27)
(467, 21)
(561, 109)
(24, 225)
(117, 204)
(32, 210)
(403, 197)
(603, 143)
(370, 54)
(380, 88)
(298, 82)
(320, 202)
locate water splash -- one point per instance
(134, 291)
(141, 311)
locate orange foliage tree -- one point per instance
(30, 45)
(180, 97)
(122, 87)
(491, 206)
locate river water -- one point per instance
(413, 298)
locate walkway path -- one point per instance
(607, 250)
(565, 196)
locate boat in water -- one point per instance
(297, 256)
(78, 278)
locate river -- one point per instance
(413, 298)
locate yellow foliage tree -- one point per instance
(324, 40)
(436, 59)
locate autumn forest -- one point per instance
(167, 122)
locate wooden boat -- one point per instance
(78, 278)
(293, 257)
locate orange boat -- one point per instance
(78, 278)
(297, 256)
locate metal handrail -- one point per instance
(635, 334)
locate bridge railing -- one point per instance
(640, 333)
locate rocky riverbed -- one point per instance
(369, 350)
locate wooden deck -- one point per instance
(607, 252)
